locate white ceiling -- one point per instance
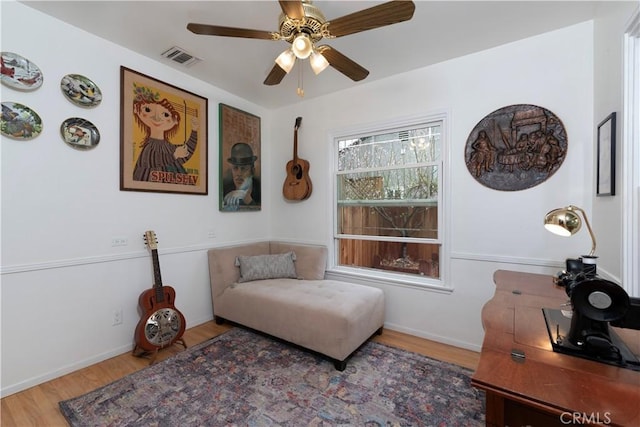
(439, 30)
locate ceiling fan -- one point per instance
(303, 25)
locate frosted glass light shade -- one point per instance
(318, 62)
(302, 46)
(286, 60)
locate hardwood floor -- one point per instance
(459, 356)
(38, 406)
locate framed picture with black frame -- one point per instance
(606, 166)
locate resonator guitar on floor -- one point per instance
(161, 324)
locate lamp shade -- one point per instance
(286, 60)
(318, 62)
(302, 46)
(563, 222)
(567, 222)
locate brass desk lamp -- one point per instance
(566, 222)
(595, 303)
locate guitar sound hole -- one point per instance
(162, 327)
(297, 171)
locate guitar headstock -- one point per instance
(150, 239)
(298, 122)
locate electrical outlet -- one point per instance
(211, 234)
(119, 241)
(117, 317)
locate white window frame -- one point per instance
(631, 159)
(371, 276)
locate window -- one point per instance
(388, 213)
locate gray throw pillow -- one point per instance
(260, 267)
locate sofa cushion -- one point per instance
(327, 316)
(222, 270)
(311, 260)
(260, 267)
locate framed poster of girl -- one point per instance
(163, 136)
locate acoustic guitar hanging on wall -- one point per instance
(161, 323)
(297, 185)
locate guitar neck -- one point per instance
(295, 145)
(295, 138)
(157, 278)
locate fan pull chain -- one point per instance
(300, 90)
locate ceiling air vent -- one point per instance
(179, 55)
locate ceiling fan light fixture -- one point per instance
(286, 60)
(302, 46)
(302, 25)
(318, 62)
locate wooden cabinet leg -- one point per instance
(495, 410)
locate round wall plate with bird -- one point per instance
(80, 90)
(80, 133)
(19, 121)
(19, 73)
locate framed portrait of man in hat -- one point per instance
(240, 188)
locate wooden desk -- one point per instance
(545, 388)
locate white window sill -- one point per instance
(377, 278)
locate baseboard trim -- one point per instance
(433, 337)
(52, 375)
(34, 381)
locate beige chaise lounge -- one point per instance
(330, 317)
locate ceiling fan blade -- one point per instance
(216, 30)
(293, 9)
(377, 16)
(343, 64)
(275, 76)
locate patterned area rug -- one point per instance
(241, 378)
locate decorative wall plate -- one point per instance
(19, 72)
(80, 90)
(516, 147)
(19, 121)
(79, 133)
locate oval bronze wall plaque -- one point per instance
(516, 147)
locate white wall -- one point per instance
(608, 65)
(61, 278)
(489, 229)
